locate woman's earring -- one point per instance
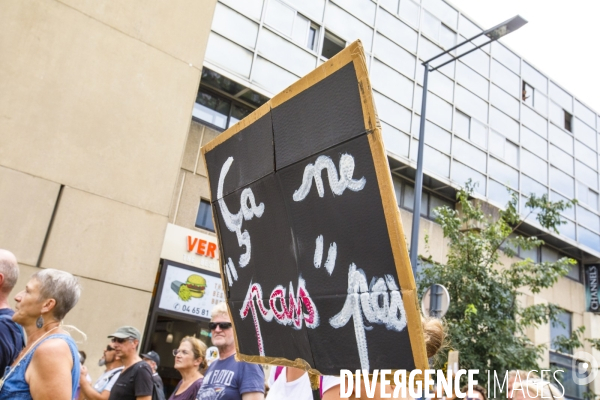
(39, 322)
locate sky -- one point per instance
(561, 39)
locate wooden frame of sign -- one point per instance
(312, 260)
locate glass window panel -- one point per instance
(271, 77)
(561, 97)
(533, 142)
(437, 162)
(498, 193)
(585, 114)
(238, 112)
(361, 9)
(529, 186)
(347, 27)
(568, 229)
(462, 124)
(249, 8)
(234, 26)
(212, 109)
(557, 329)
(585, 154)
(397, 182)
(584, 133)
(280, 17)
(569, 212)
(528, 94)
(588, 219)
(397, 30)
(437, 137)
(532, 254)
(586, 175)
(439, 111)
(408, 201)
(540, 103)
(418, 99)
(478, 133)
(506, 57)
(300, 31)
(436, 202)
(204, 216)
(511, 153)
(497, 144)
(534, 166)
(472, 80)
(469, 154)
(311, 8)
(430, 26)
(587, 196)
(409, 11)
(332, 45)
(392, 112)
(562, 183)
(461, 174)
(503, 173)
(443, 11)
(504, 101)
(447, 37)
(478, 60)
(467, 28)
(442, 86)
(395, 56)
(391, 83)
(395, 141)
(471, 104)
(534, 78)
(228, 55)
(534, 121)
(561, 159)
(504, 124)
(391, 5)
(557, 114)
(506, 79)
(285, 54)
(550, 255)
(561, 138)
(427, 50)
(575, 273)
(588, 238)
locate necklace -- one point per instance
(23, 356)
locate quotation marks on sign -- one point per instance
(248, 210)
(286, 314)
(381, 303)
(331, 255)
(337, 185)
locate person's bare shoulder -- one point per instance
(52, 350)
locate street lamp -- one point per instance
(492, 34)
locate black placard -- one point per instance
(313, 253)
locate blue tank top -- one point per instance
(16, 388)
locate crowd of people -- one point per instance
(41, 360)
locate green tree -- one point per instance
(486, 321)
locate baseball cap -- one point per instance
(152, 355)
(125, 332)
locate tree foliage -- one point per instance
(486, 321)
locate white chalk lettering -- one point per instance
(381, 304)
(337, 185)
(331, 255)
(248, 210)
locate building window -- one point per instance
(568, 122)
(562, 327)
(312, 37)
(405, 195)
(204, 217)
(332, 45)
(566, 364)
(527, 94)
(221, 102)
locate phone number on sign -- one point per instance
(203, 312)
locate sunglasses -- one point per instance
(222, 325)
(108, 348)
(119, 340)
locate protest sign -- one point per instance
(313, 255)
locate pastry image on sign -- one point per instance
(193, 287)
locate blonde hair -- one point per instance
(198, 348)
(542, 389)
(219, 309)
(434, 333)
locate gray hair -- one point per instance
(219, 309)
(10, 269)
(60, 286)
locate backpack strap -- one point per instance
(278, 370)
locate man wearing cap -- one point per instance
(102, 387)
(135, 381)
(153, 360)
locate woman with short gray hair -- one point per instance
(48, 367)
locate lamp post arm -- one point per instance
(463, 54)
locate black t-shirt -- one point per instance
(159, 382)
(11, 339)
(133, 382)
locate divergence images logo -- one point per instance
(584, 368)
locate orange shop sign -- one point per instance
(201, 247)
